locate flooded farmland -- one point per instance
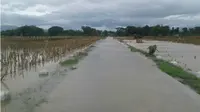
(185, 55)
(30, 68)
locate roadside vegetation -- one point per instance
(174, 71)
(69, 62)
(75, 59)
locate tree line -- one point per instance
(158, 30)
(53, 31)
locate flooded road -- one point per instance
(113, 79)
(186, 55)
(32, 88)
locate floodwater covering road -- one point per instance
(186, 55)
(113, 79)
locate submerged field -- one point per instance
(24, 54)
(186, 39)
(178, 60)
(30, 68)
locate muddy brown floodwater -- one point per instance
(113, 79)
(109, 79)
(30, 88)
(186, 55)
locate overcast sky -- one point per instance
(102, 14)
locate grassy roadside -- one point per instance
(174, 71)
(69, 62)
(76, 58)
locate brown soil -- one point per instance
(32, 43)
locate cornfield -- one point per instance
(24, 54)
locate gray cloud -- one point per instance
(15, 19)
(100, 13)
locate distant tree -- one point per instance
(24, 31)
(130, 30)
(112, 33)
(55, 30)
(155, 30)
(105, 33)
(71, 32)
(29, 31)
(8, 33)
(98, 32)
(146, 30)
(185, 31)
(197, 30)
(165, 30)
(121, 31)
(176, 31)
(172, 31)
(89, 31)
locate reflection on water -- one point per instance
(21, 63)
(18, 56)
(5, 95)
(16, 61)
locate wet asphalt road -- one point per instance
(113, 79)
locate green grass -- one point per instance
(133, 49)
(174, 71)
(178, 72)
(69, 62)
(74, 60)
